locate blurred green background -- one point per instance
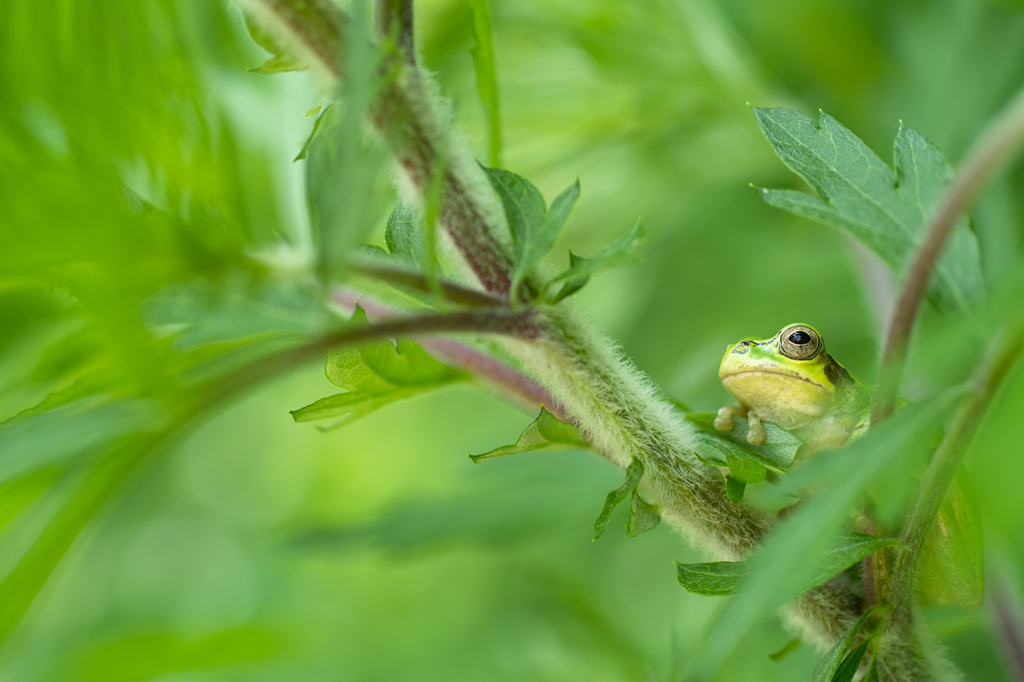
(436, 568)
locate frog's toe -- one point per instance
(755, 432)
(724, 420)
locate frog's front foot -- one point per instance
(724, 420)
(755, 432)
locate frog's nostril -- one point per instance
(741, 347)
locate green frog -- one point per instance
(791, 381)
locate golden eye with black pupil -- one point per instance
(799, 342)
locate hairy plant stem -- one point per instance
(611, 402)
(998, 144)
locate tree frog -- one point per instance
(791, 381)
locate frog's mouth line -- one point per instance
(769, 371)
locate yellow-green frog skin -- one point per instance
(791, 381)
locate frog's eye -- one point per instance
(798, 342)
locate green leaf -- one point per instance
(573, 285)
(714, 579)
(779, 447)
(486, 77)
(643, 516)
(401, 235)
(858, 192)
(745, 465)
(623, 251)
(546, 431)
(281, 61)
(322, 110)
(634, 473)
(525, 210)
(827, 668)
(342, 170)
(375, 375)
(851, 663)
(734, 488)
(279, 64)
(845, 551)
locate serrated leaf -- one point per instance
(858, 192)
(525, 210)
(643, 516)
(779, 447)
(634, 473)
(845, 551)
(376, 374)
(622, 251)
(826, 669)
(713, 579)
(278, 64)
(546, 431)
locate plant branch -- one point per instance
(604, 394)
(412, 279)
(939, 474)
(995, 147)
(523, 390)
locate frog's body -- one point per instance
(791, 381)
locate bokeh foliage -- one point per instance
(147, 187)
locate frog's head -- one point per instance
(789, 375)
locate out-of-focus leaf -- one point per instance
(826, 669)
(322, 111)
(376, 375)
(281, 61)
(546, 431)
(341, 169)
(486, 77)
(858, 192)
(953, 557)
(846, 550)
(63, 433)
(634, 473)
(779, 447)
(621, 252)
(786, 650)
(279, 64)
(808, 531)
(713, 579)
(203, 313)
(404, 234)
(643, 516)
